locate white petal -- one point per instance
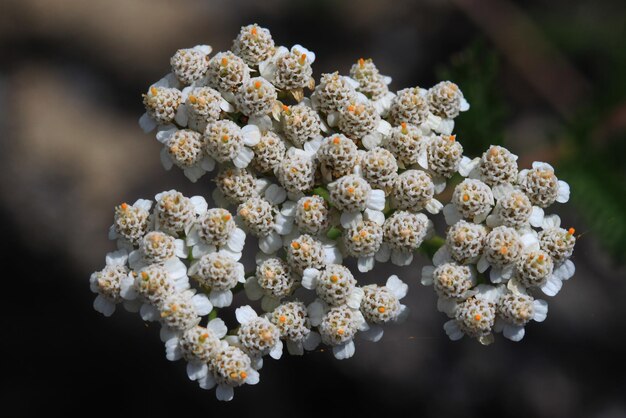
(332, 119)
(173, 351)
(311, 341)
(452, 214)
(447, 306)
(529, 241)
(196, 370)
(376, 200)
(452, 330)
(283, 224)
(275, 194)
(316, 312)
(243, 158)
(252, 288)
(277, 351)
(563, 192)
(427, 275)
(166, 160)
(146, 123)
(538, 165)
(224, 392)
(397, 286)
(441, 256)
(207, 163)
(313, 145)
(180, 249)
(344, 351)
(374, 216)
(366, 263)
(263, 122)
(271, 243)
(401, 258)
(149, 313)
(200, 249)
(384, 127)
(207, 382)
(269, 303)
(371, 141)
(127, 288)
(199, 204)
(236, 240)
(165, 133)
(513, 332)
(116, 258)
(551, 221)
(552, 286)
(349, 219)
(309, 278)
(202, 304)
(565, 271)
(251, 135)
(182, 116)
(540, 308)
(373, 334)
(103, 305)
(332, 255)
(194, 173)
(355, 297)
(221, 298)
(536, 217)
(483, 264)
(434, 206)
(289, 208)
(252, 377)
(467, 165)
(245, 314)
(464, 106)
(445, 127)
(218, 327)
(383, 253)
(501, 191)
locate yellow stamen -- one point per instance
(404, 130)
(307, 205)
(363, 233)
(192, 99)
(144, 275)
(153, 91)
(203, 337)
(244, 212)
(173, 149)
(504, 250)
(302, 59)
(269, 273)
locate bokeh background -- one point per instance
(544, 78)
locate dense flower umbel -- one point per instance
(354, 170)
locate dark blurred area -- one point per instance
(545, 79)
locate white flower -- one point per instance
(141, 208)
(106, 284)
(381, 304)
(195, 166)
(182, 114)
(147, 123)
(337, 326)
(515, 310)
(220, 272)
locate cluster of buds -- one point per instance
(352, 170)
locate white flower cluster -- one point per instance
(500, 250)
(350, 171)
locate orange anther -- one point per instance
(224, 61)
(350, 190)
(285, 108)
(253, 30)
(540, 258)
(257, 84)
(192, 98)
(452, 137)
(225, 138)
(340, 331)
(226, 217)
(381, 309)
(153, 91)
(203, 337)
(363, 233)
(243, 375)
(361, 62)
(336, 140)
(295, 245)
(302, 58)
(466, 197)
(144, 275)
(351, 108)
(403, 125)
(504, 250)
(124, 206)
(571, 231)
(494, 151)
(282, 319)
(477, 317)
(334, 278)
(307, 205)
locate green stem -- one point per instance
(333, 233)
(430, 246)
(323, 193)
(213, 314)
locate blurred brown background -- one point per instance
(546, 79)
